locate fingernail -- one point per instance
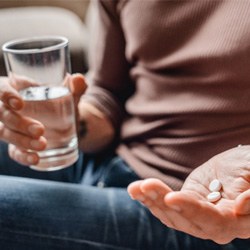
(31, 159)
(140, 198)
(175, 208)
(35, 144)
(152, 195)
(79, 83)
(35, 130)
(14, 103)
(132, 197)
(148, 203)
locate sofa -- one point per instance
(23, 18)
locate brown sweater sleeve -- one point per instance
(108, 74)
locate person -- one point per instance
(166, 105)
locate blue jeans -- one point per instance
(85, 206)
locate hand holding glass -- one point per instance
(39, 69)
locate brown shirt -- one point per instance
(174, 77)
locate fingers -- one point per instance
(10, 102)
(242, 203)
(9, 96)
(156, 191)
(185, 211)
(153, 201)
(22, 133)
(151, 188)
(134, 191)
(207, 220)
(151, 192)
(14, 121)
(22, 156)
(139, 190)
(77, 85)
(22, 141)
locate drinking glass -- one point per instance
(38, 68)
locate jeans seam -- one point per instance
(66, 239)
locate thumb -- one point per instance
(9, 95)
(242, 203)
(77, 85)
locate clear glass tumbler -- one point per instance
(39, 69)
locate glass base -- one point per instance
(52, 160)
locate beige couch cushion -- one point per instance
(77, 6)
(35, 21)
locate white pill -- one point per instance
(215, 185)
(214, 196)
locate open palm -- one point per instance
(188, 210)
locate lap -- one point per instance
(63, 216)
(50, 215)
(104, 169)
(58, 214)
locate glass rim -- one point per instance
(62, 42)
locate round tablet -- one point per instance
(214, 196)
(215, 185)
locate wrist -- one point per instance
(95, 130)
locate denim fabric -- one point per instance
(85, 207)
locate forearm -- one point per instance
(97, 131)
